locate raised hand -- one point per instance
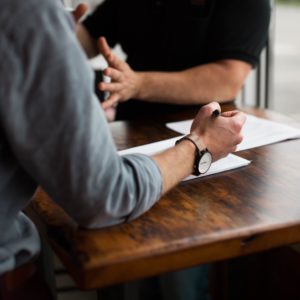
(125, 82)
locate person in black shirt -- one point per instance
(178, 51)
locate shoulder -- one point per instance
(252, 6)
(253, 12)
(249, 6)
(33, 33)
(18, 18)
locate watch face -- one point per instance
(205, 162)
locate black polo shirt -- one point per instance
(170, 35)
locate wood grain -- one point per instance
(213, 218)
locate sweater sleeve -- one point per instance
(57, 129)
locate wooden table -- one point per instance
(214, 218)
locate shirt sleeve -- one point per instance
(239, 30)
(102, 22)
(57, 129)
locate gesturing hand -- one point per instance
(221, 134)
(124, 83)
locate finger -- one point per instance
(240, 118)
(238, 115)
(239, 139)
(232, 149)
(79, 11)
(104, 48)
(111, 101)
(109, 87)
(225, 154)
(110, 114)
(112, 59)
(106, 51)
(229, 114)
(114, 74)
(209, 108)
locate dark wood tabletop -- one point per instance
(208, 219)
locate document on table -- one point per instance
(257, 132)
(228, 163)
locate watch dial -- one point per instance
(205, 162)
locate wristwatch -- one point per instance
(203, 158)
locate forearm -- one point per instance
(221, 81)
(175, 164)
(69, 152)
(88, 44)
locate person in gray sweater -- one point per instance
(54, 134)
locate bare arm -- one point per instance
(175, 164)
(88, 44)
(220, 135)
(220, 80)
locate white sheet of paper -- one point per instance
(257, 132)
(153, 148)
(228, 163)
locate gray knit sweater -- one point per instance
(53, 133)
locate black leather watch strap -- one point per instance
(198, 154)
